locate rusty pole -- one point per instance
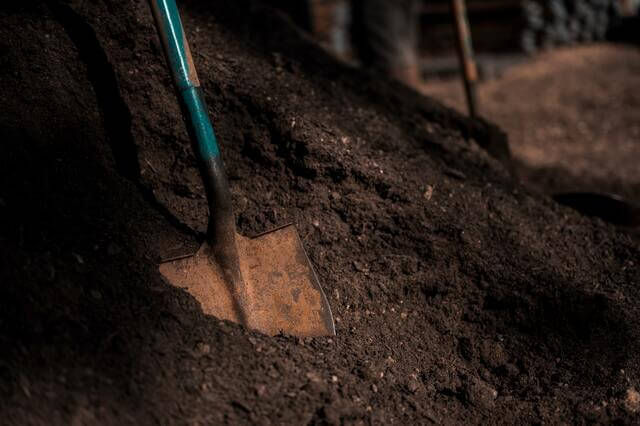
(465, 54)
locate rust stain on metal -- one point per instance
(193, 74)
(283, 293)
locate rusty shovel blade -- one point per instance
(282, 291)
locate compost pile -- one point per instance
(458, 295)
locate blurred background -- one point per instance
(559, 76)
(500, 28)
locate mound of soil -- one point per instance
(581, 130)
(458, 295)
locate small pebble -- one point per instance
(203, 348)
(632, 400)
(314, 377)
(260, 389)
(428, 193)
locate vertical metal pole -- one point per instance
(465, 53)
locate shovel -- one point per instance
(267, 282)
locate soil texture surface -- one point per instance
(459, 295)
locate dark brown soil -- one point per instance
(579, 129)
(459, 296)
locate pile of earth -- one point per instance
(581, 130)
(458, 295)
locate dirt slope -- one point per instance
(578, 127)
(458, 295)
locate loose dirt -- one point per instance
(459, 295)
(572, 115)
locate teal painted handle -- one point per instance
(221, 232)
(185, 77)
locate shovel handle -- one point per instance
(194, 110)
(465, 53)
(185, 77)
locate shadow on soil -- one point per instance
(82, 305)
(557, 180)
(562, 321)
